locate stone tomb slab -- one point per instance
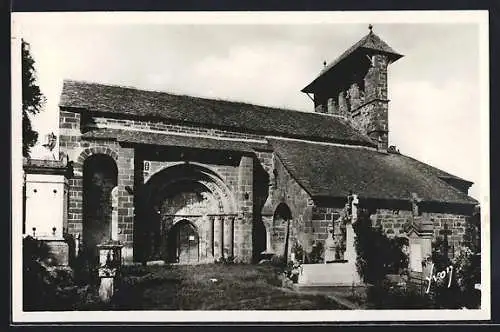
(330, 274)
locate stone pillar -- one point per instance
(342, 107)
(228, 236)
(209, 249)
(243, 227)
(354, 96)
(114, 214)
(332, 106)
(218, 237)
(268, 222)
(350, 250)
(126, 212)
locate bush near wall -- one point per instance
(465, 267)
(442, 293)
(50, 288)
(377, 255)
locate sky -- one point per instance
(436, 102)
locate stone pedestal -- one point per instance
(110, 261)
(46, 205)
(114, 214)
(58, 252)
(329, 250)
(350, 249)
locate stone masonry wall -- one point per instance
(285, 189)
(71, 144)
(163, 126)
(243, 223)
(322, 218)
(393, 223)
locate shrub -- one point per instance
(298, 251)
(278, 261)
(467, 269)
(50, 287)
(384, 295)
(316, 254)
(464, 271)
(226, 260)
(377, 255)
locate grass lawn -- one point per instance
(238, 287)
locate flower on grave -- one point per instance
(427, 260)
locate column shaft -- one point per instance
(218, 237)
(210, 237)
(228, 236)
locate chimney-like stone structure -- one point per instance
(354, 86)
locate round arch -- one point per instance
(183, 243)
(282, 218)
(167, 177)
(90, 151)
(177, 192)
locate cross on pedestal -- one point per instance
(445, 232)
(414, 203)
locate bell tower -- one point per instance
(354, 86)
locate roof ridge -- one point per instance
(72, 81)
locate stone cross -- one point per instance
(114, 214)
(445, 232)
(414, 202)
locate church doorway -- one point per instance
(183, 243)
(174, 208)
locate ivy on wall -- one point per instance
(377, 255)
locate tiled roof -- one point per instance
(369, 42)
(139, 137)
(333, 171)
(99, 98)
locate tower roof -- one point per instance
(370, 42)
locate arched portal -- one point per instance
(99, 178)
(183, 243)
(181, 192)
(281, 220)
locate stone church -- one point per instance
(189, 180)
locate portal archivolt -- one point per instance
(171, 201)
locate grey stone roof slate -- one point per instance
(121, 101)
(333, 171)
(369, 42)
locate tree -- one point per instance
(33, 99)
